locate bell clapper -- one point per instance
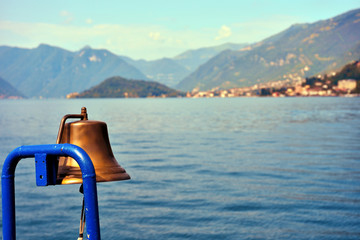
(82, 217)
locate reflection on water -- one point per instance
(244, 168)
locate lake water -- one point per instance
(240, 168)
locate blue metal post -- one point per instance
(89, 183)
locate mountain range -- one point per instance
(50, 71)
(293, 54)
(299, 51)
(53, 72)
(170, 71)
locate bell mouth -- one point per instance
(72, 175)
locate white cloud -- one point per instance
(64, 13)
(135, 41)
(224, 32)
(154, 36)
(68, 17)
(89, 21)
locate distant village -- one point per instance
(344, 83)
(283, 89)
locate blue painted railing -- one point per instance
(45, 158)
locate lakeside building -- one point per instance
(347, 85)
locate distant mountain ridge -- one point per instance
(50, 71)
(54, 72)
(299, 51)
(170, 71)
(165, 70)
(192, 59)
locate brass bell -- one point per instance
(92, 136)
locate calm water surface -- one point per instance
(243, 168)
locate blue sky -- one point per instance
(152, 29)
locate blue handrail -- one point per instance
(53, 150)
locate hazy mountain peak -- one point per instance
(86, 47)
(43, 45)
